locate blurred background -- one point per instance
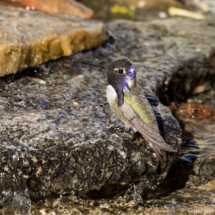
(105, 10)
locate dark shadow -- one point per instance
(176, 179)
(108, 191)
(185, 79)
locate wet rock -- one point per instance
(74, 145)
(31, 38)
(14, 170)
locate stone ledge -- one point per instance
(31, 38)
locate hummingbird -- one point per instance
(131, 108)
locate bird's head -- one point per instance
(121, 75)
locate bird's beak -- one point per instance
(86, 62)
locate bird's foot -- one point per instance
(161, 158)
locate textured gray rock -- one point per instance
(57, 125)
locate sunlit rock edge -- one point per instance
(30, 38)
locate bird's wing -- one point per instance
(152, 136)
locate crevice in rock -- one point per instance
(193, 77)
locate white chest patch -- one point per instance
(130, 82)
(111, 94)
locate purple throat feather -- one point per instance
(131, 75)
(132, 72)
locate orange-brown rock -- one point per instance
(52, 6)
(198, 111)
(60, 6)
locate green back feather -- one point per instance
(133, 100)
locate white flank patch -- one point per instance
(134, 129)
(111, 94)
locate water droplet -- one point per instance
(25, 162)
(15, 157)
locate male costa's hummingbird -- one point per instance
(134, 110)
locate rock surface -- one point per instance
(31, 38)
(59, 136)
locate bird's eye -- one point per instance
(120, 71)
